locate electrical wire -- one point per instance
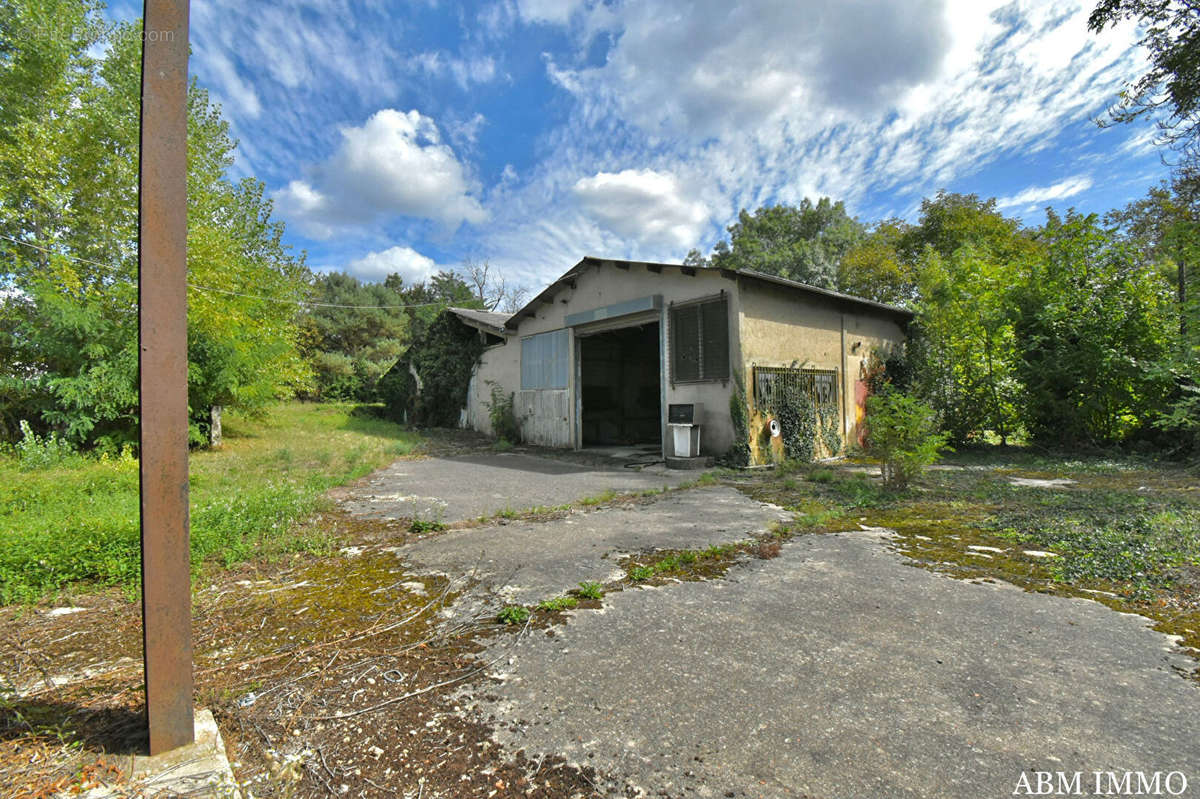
(302, 303)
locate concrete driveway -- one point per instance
(837, 671)
(526, 562)
(834, 671)
(469, 486)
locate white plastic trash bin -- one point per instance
(685, 439)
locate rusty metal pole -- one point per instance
(162, 354)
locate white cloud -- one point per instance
(1037, 195)
(229, 87)
(467, 130)
(1142, 142)
(557, 12)
(405, 261)
(644, 205)
(713, 66)
(394, 164)
(747, 104)
(464, 71)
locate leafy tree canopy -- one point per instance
(1170, 87)
(802, 243)
(874, 268)
(1091, 323)
(68, 184)
(354, 332)
(951, 221)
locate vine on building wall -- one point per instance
(443, 359)
(739, 417)
(809, 422)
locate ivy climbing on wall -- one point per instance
(739, 418)
(805, 404)
(443, 359)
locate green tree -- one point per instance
(965, 258)
(963, 346)
(1092, 321)
(874, 268)
(1165, 228)
(1170, 87)
(68, 185)
(350, 347)
(951, 221)
(803, 243)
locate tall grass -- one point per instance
(77, 520)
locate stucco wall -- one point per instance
(786, 327)
(500, 364)
(599, 286)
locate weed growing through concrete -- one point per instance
(639, 573)
(768, 549)
(558, 603)
(679, 562)
(513, 614)
(599, 499)
(589, 589)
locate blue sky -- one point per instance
(409, 136)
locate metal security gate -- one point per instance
(772, 384)
(803, 403)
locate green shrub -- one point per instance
(41, 452)
(502, 415)
(335, 376)
(901, 432)
(639, 573)
(419, 526)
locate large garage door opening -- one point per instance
(619, 378)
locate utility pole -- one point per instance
(162, 387)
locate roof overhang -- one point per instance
(475, 319)
(569, 277)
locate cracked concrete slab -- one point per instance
(470, 486)
(837, 670)
(527, 562)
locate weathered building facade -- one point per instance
(600, 355)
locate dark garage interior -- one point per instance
(619, 373)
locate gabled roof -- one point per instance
(568, 279)
(487, 321)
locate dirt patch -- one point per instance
(328, 675)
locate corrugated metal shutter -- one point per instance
(544, 360)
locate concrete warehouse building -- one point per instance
(615, 353)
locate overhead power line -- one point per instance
(302, 303)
